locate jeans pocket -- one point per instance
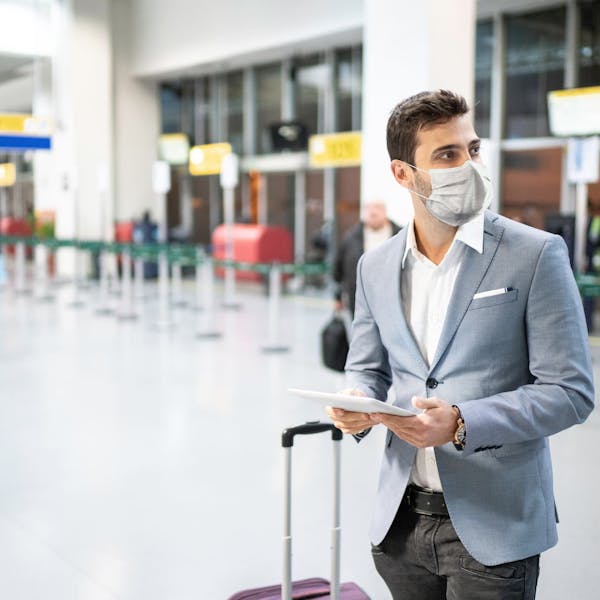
(514, 571)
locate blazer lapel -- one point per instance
(470, 275)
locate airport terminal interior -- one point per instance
(176, 180)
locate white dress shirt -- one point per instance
(426, 291)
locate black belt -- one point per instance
(425, 502)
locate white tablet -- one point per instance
(353, 403)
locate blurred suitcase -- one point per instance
(315, 587)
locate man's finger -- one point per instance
(425, 403)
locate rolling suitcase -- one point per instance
(315, 587)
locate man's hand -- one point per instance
(349, 421)
(435, 426)
(338, 305)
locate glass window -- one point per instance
(170, 107)
(531, 185)
(204, 124)
(483, 76)
(268, 103)
(188, 119)
(348, 86)
(311, 80)
(234, 110)
(535, 58)
(589, 48)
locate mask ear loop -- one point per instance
(415, 168)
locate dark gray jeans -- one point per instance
(421, 558)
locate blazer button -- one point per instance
(432, 383)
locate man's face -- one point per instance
(439, 146)
(375, 216)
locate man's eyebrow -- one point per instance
(455, 146)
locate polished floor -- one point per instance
(139, 462)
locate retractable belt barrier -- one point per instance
(176, 256)
(182, 254)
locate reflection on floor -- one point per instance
(145, 464)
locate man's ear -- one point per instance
(402, 173)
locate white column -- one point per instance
(84, 120)
(409, 47)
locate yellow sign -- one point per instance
(574, 112)
(8, 174)
(206, 159)
(26, 124)
(335, 149)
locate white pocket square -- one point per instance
(491, 293)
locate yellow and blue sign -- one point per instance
(19, 132)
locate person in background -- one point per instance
(374, 229)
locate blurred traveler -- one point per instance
(476, 321)
(374, 229)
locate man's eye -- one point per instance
(446, 155)
(475, 150)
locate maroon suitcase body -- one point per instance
(303, 590)
(316, 587)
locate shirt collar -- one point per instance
(470, 234)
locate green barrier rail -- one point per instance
(589, 285)
(182, 254)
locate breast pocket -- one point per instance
(503, 298)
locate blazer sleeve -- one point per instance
(562, 392)
(367, 366)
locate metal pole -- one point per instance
(274, 345)
(200, 258)
(206, 328)
(139, 278)
(286, 587)
(178, 300)
(164, 310)
(41, 263)
(336, 530)
(228, 206)
(127, 312)
(581, 217)
(104, 307)
(20, 284)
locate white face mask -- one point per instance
(458, 194)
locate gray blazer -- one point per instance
(516, 364)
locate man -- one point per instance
(476, 319)
(374, 229)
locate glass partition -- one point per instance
(535, 64)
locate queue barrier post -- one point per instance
(176, 288)
(127, 312)
(42, 266)
(20, 270)
(198, 279)
(76, 301)
(274, 344)
(206, 320)
(138, 278)
(104, 307)
(164, 308)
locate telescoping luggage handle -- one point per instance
(287, 441)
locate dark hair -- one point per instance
(416, 113)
